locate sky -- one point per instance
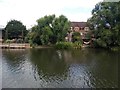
(28, 11)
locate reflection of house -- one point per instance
(80, 27)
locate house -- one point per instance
(80, 27)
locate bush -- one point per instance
(8, 41)
(115, 48)
(68, 45)
(64, 45)
(77, 45)
(76, 37)
(101, 43)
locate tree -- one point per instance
(15, 29)
(33, 37)
(76, 36)
(49, 30)
(105, 23)
(61, 26)
(45, 28)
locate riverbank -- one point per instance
(28, 46)
(14, 45)
(21, 46)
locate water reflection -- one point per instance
(38, 68)
(48, 64)
(14, 59)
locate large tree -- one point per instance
(49, 29)
(45, 29)
(15, 29)
(61, 26)
(105, 23)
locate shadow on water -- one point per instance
(61, 68)
(14, 58)
(48, 62)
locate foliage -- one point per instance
(60, 28)
(15, 29)
(68, 45)
(76, 37)
(8, 41)
(49, 30)
(115, 48)
(64, 45)
(88, 35)
(33, 36)
(77, 44)
(105, 23)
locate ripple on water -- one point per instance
(37, 70)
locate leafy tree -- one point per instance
(49, 30)
(15, 29)
(105, 23)
(33, 36)
(60, 28)
(45, 28)
(76, 36)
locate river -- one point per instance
(50, 68)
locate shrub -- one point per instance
(115, 48)
(76, 37)
(8, 41)
(68, 45)
(64, 45)
(101, 43)
(77, 45)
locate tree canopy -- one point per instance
(105, 23)
(15, 29)
(49, 30)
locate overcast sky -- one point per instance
(28, 11)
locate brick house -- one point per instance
(80, 27)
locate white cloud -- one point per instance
(28, 11)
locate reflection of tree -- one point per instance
(100, 66)
(48, 62)
(102, 70)
(77, 56)
(14, 58)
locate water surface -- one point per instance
(50, 68)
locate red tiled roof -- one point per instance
(79, 24)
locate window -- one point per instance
(86, 28)
(76, 28)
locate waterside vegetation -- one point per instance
(51, 30)
(68, 45)
(105, 24)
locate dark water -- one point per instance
(49, 68)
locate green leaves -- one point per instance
(50, 29)
(76, 37)
(15, 29)
(61, 26)
(105, 24)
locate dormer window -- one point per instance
(76, 28)
(86, 28)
